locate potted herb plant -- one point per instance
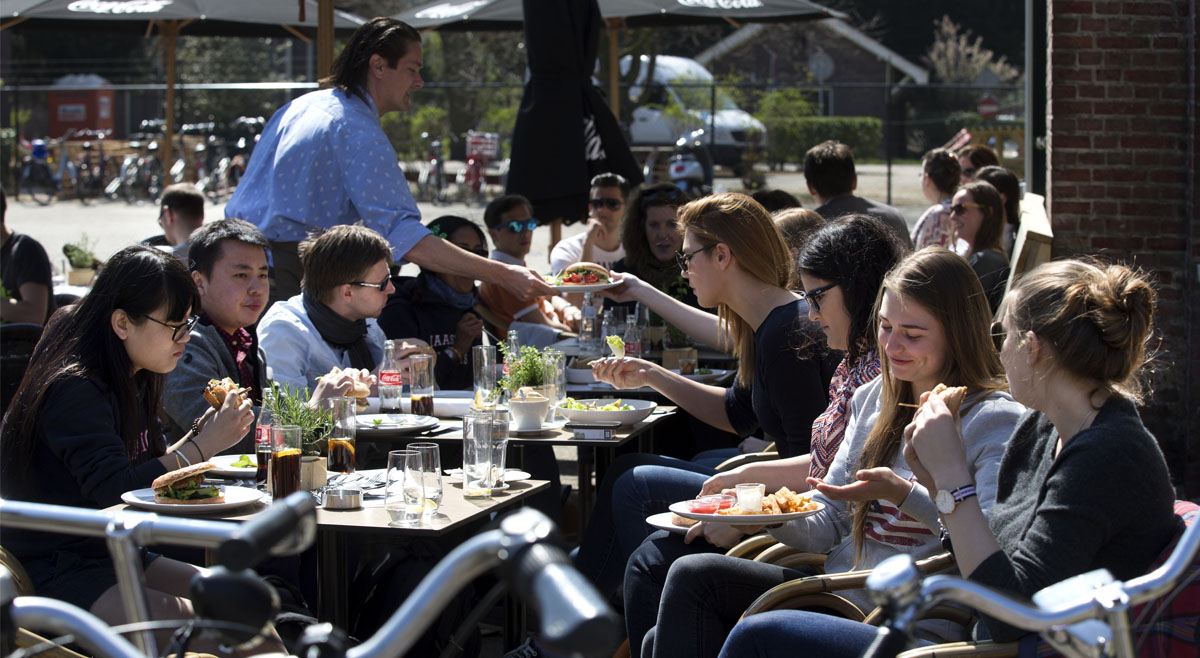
(289, 406)
(527, 368)
(82, 258)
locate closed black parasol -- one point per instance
(565, 133)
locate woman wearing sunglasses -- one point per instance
(437, 307)
(977, 214)
(84, 427)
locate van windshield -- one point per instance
(697, 95)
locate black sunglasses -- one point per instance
(606, 202)
(814, 295)
(519, 225)
(999, 333)
(382, 285)
(176, 329)
(685, 259)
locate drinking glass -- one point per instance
(555, 369)
(421, 391)
(343, 426)
(431, 475)
(483, 362)
(285, 460)
(750, 496)
(477, 454)
(500, 422)
(404, 497)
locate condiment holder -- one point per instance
(343, 499)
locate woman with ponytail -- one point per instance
(1082, 484)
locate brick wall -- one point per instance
(1121, 178)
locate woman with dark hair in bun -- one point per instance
(1082, 484)
(940, 173)
(436, 307)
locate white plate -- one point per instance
(662, 521)
(681, 509)
(641, 409)
(545, 428)
(395, 423)
(716, 373)
(225, 467)
(586, 287)
(235, 497)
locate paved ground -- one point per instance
(113, 225)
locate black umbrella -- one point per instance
(562, 115)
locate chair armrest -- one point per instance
(982, 649)
(749, 547)
(748, 458)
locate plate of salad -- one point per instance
(626, 412)
(234, 466)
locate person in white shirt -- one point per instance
(601, 242)
(332, 321)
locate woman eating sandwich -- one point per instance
(84, 427)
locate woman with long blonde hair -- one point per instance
(932, 328)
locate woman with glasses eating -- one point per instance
(437, 307)
(84, 427)
(977, 213)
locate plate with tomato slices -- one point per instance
(583, 277)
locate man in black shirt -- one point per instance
(26, 289)
(829, 173)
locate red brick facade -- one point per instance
(1121, 177)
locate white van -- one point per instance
(672, 86)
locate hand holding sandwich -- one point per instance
(933, 443)
(224, 425)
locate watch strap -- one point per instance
(962, 493)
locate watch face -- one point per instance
(944, 501)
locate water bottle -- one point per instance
(588, 340)
(391, 382)
(607, 327)
(512, 353)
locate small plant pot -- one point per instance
(312, 472)
(81, 276)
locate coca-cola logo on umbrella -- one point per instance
(722, 4)
(450, 9)
(118, 6)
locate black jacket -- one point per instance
(415, 311)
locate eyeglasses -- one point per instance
(478, 252)
(999, 333)
(382, 285)
(960, 208)
(519, 225)
(685, 259)
(606, 202)
(814, 295)
(177, 329)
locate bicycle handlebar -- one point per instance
(285, 528)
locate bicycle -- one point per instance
(92, 175)
(37, 178)
(1082, 617)
(234, 604)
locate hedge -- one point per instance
(788, 138)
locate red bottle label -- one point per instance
(391, 378)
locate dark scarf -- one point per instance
(441, 291)
(340, 333)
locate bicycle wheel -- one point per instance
(40, 185)
(86, 185)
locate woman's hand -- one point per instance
(227, 426)
(630, 289)
(722, 535)
(624, 372)
(469, 327)
(727, 480)
(934, 438)
(871, 484)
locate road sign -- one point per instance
(988, 106)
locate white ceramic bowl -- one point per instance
(641, 409)
(528, 414)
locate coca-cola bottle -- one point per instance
(391, 381)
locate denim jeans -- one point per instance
(634, 487)
(791, 633)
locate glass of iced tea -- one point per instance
(285, 460)
(421, 367)
(343, 425)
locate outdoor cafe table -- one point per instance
(457, 519)
(570, 347)
(594, 455)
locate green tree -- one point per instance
(230, 59)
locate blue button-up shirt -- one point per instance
(323, 160)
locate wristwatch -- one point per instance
(947, 501)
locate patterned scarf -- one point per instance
(830, 427)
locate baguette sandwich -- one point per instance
(186, 486)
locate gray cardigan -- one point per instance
(914, 528)
(205, 357)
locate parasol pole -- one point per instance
(614, 67)
(170, 33)
(324, 37)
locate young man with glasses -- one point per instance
(600, 242)
(537, 319)
(332, 321)
(228, 261)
